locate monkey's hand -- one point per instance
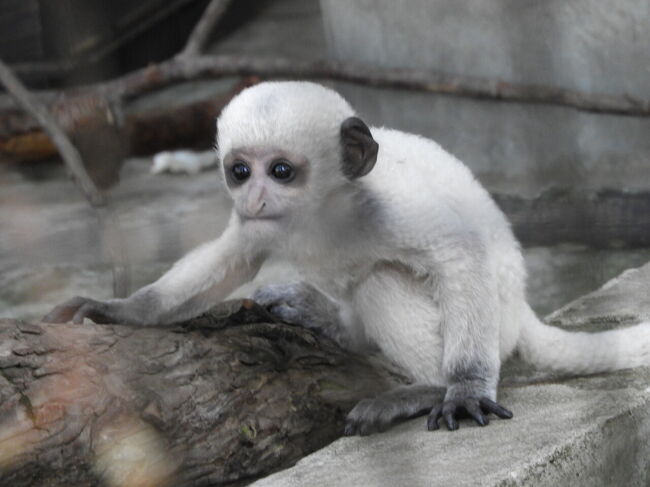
(78, 308)
(463, 402)
(300, 303)
(378, 413)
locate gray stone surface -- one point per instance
(624, 299)
(559, 274)
(583, 431)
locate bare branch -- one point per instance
(181, 69)
(200, 36)
(72, 159)
(68, 151)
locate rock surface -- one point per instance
(579, 431)
(625, 299)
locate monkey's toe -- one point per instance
(473, 407)
(476, 408)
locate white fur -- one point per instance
(430, 270)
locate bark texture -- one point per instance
(203, 403)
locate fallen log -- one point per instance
(222, 399)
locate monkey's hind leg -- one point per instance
(379, 413)
(300, 303)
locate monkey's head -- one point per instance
(286, 147)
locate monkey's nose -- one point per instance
(256, 205)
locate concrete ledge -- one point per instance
(581, 431)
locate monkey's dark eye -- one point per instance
(282, 170)
(240, 171)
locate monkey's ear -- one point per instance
(359, 148)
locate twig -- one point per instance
(72, 159)
(200, 36)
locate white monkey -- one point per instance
(402, 248)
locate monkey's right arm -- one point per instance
(195, 283)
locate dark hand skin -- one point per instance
(473, 407)
(382, 411)
(78, 308)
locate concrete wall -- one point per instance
(598, 46)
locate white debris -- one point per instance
(183, 161)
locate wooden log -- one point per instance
(224, 398)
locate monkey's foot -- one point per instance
(474, 407)
(378, 413)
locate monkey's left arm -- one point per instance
(470, 339)
(195, 283)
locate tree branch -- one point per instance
(68, 152)
(181, 69)
(200, 36)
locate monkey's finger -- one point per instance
(474, 410)
(350, 428)
(285, 312)
(65, 311)
(366, 428)
(59, 314)
(434, 416)
(448, 414)
(492, 407)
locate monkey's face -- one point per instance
(267, 184)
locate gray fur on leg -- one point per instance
(300, 303)
(378, 413)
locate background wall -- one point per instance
(592, 46)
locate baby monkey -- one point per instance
(400, 247)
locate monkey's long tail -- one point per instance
(550, 347)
